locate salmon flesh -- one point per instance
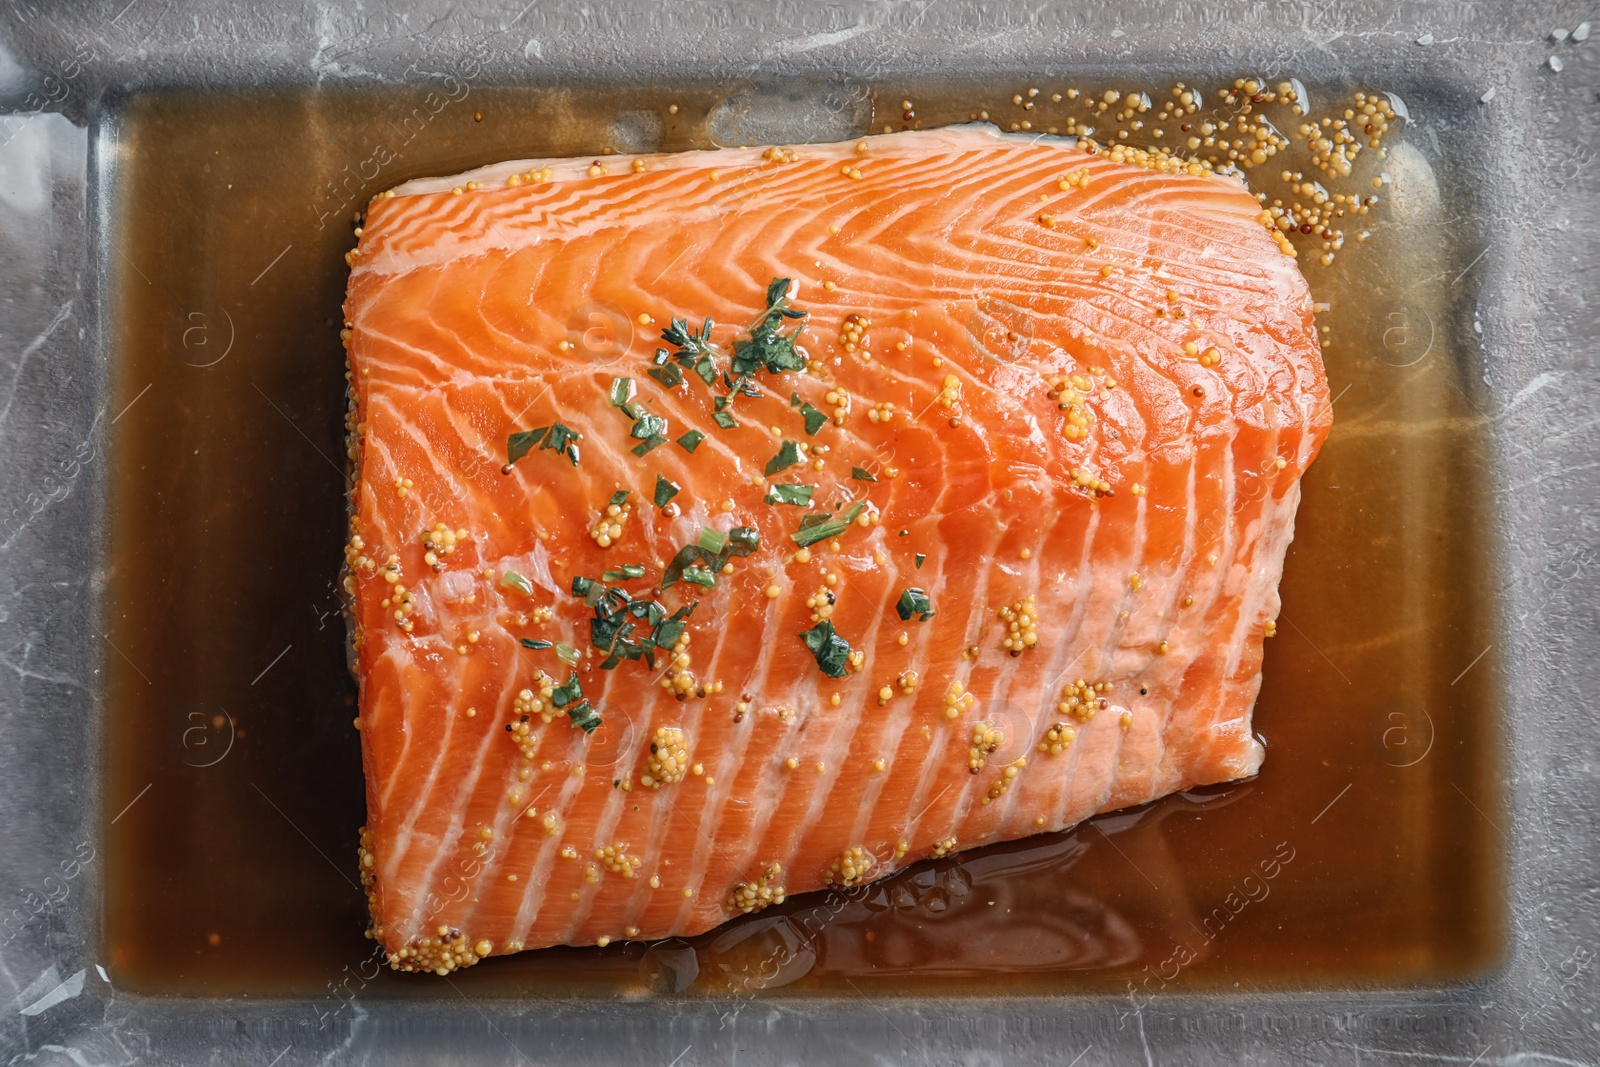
(728, 525)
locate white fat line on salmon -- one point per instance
(450, 839)
(1055, 683)
(736, 864)
(760, 681)
(884, 608)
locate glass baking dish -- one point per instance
(1407, 876)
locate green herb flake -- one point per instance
(649, 445)
(621, 391)
(666, 635)
(861, 474)
(582, 586)
(568, 691)
(790, 494)
(620, 497)
(584, 717)
(794, 400)
(712, 540)
(665, 491)
(627, 572)
(520, 444)
(649, 425)
(767, 348)
(686, 564)
(536, 644)
(699, 576)
(914, 601)
(815, 420)
(568, 654)
(920, 558)
(831, 651)
(723, 419)
(691, 441)
(788, 455)
(812, 532)
(564, 440)
(670, 376)
(513, 580)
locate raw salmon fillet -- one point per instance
(1052, 414)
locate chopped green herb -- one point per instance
(568, 654)
(691, 440)
(625, 628)
(589, 590)
(739, 541)
(712, 540)
(815, 419)
(832, 652)
(667, 633)
(649, 426)
(648, 445)
(861, 474)
(568, 691)
(766, 348)
(920, 558)
(790, 494)
(670, 376)
(564, 441)
(695, 350)
(914, 601)
(699, 576)
(520, 444)
(556, 438)
(742, 541)
(665, 491)
(536, 644)
(620, 497)
(584, 717)
(512, 580)
(621, 391)
(788, 455)
(794, 400)
(810, 534)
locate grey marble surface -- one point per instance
(1532, 293)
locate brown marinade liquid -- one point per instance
(1364, 854)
